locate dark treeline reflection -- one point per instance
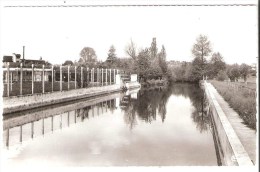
(151, 104)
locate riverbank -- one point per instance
(241, 100)
(19, 103)
(237, 141)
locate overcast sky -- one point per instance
(59, 34)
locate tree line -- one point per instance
(208, 66)
(150, 63)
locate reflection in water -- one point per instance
(81, 113)
(151, 103)
(118, 129)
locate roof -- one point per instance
(8, 59)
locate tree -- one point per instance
(88, 56)
(244, 71)
(111, 55)
(162, 60)
(201, 49)
(153, 49)
(216, 64)
(142, 64)
(233, 72)
(131, 50)
(67, 62)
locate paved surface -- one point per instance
(246, 135)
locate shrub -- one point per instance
(222, 75)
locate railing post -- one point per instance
(11, 81)
(110, 76)
(43, 80)
(68, 77)
(114, 76)
(75, 77)
(21, 79)
(52, 78)
(60, 78)
(102, 76)
(81, 75)
(98, 76)
(32, 78)
(106, 77)
(8, 80)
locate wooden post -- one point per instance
(32, 78)
(93, 73)
(81, 75)
(60, 78)
(75, 77)
(68, 77)
(102, 76)
(52, 78)
(43, 79)
(8, 79)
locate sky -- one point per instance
(59, 34)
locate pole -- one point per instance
(60, 78)
(52, 78)
(81, 75)
(75, 77)
(21, 79)
(43, 80)
(114, 76)
(32, 78)
(68, 77)
(106, 77)
(8, 80)
(102, 76)
(110, 76)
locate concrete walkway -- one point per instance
(246, 135)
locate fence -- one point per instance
(236, 86)
(23, 81)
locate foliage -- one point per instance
(88, 57)
(67, 62)
(233, 72)
(244, 71)
(216, 64)
(222, 75)
(241, 101)
(111, 56)
(201, 49)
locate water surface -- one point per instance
(149, 127)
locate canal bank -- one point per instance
(20, 103)
(237, 143)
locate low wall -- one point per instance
(230, 147)
(19, 103)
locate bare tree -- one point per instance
(131, 50)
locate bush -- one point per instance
(222, 75)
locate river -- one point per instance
(147, 127)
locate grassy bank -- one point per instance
(241, 100)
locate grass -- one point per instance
(242, 101)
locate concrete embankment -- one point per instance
(19, 103)
(232, 150)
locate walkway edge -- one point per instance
(240, 155)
